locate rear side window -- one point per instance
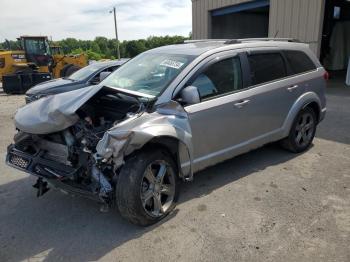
(220, 78)
(266, 67)
(299, 62)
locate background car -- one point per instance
(89, 75)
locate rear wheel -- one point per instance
(147, 187)
(302, 132)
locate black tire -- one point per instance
(72, 69)
(301, 134)
(132, 185)
(24, 71)
(64, 70)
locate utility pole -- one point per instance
(116, 31)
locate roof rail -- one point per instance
(242, 40)
(235, 41)
(205, 40)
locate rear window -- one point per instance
(266, 67)
(299, 62)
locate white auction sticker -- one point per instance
(172, 64)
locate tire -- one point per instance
(138, 199)
(302, 132)
(64, 70)
(70, 70)
(24, 71)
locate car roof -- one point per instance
(198, 47)
(110, 63)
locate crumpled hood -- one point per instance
(48, 86)
(53, 113)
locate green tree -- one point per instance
(93, 55)
(101, 47)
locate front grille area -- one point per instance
(19, 161)
(36, 164)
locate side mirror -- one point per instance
(190, 95)
(103, 75)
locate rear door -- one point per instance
(272, 93)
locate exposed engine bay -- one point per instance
(67, 159)
(80, 141)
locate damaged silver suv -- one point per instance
(166, 114)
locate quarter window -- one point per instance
(220, 78)
(266, 67)
(299, 62)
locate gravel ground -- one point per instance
(267, 205)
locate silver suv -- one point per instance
(167, 114)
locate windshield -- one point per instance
(85, 72)
(148, 73)
(37, 46)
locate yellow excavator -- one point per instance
(34, 63)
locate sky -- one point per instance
(86, 19)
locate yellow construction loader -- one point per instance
(36, 62)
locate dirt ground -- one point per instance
(267, 205)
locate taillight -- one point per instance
(326, 76)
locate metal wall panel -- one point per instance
(201, 15)
(301, 19)
(298, 19)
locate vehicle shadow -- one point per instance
(73, 229)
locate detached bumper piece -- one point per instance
(41, 186)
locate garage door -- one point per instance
(246, 20)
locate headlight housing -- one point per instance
(32, 98)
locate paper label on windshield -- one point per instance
(172, 64)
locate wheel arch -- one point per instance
(309, 99)
(176, 149)
(316, 108)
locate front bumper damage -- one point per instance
(36, 164)
(57, 113)
(56, 174)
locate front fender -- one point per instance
(133, 134)
(299, 104)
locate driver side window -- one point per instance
(220, 78)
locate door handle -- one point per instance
(292, 88)
(242, 103)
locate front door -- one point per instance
(218, 121)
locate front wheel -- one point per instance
(302, 132)
(147, 187)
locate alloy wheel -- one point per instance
(305, 129)
(158, 188)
